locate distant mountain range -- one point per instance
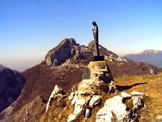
(153, 57)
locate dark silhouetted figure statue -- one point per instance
(97, 56)
(95, 34)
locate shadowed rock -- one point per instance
(67, 48)
(11, 84)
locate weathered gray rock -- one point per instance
(79, 107)
(71, 118)
(57, 91)
(77, 111)
(152, 71)
(74, 98)
(139, 94)
(138, 103)
(95, 100)
(66, 49)
(112, 87)
(11, 85)
(71, 96)
(114, 109)
(125, 95)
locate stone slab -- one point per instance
(86, 73)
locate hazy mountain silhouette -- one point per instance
(153, 57)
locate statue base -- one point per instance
(98, 58)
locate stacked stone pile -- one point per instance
(97, 78)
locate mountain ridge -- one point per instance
(151, 56)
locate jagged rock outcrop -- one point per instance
(66, 49)
(11, 85)
(116, 110)
(57, 91)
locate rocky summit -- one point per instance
(66, 49)
(69, 86)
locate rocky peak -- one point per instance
(66, 49)
(67, 41)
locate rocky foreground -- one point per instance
(88, 95)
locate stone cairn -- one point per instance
(96, 78)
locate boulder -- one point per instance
(114, 109)
(152, 71)
(77, 111)
(138, 103)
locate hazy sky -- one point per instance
(30, 28)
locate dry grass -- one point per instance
(148, 84)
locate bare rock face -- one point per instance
(115, 110)
(11, 84)
(66, 49)
(57, 91)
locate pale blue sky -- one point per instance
(32, 27)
